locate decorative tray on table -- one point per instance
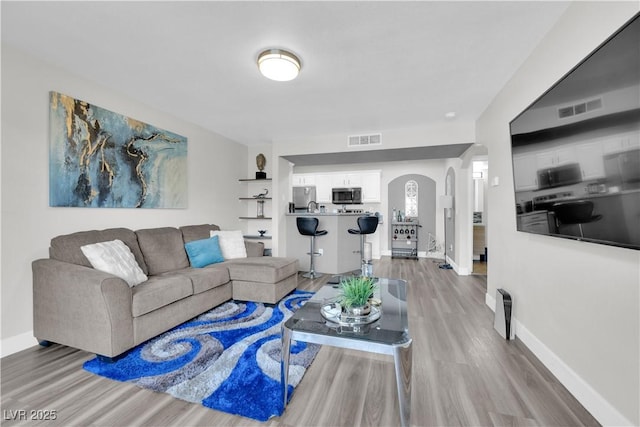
(333, 312)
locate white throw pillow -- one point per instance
(115, 257)
(231, 243)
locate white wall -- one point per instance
(28, 223)
(576, 304)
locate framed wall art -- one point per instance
(102, 159)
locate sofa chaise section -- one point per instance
(254, 278)
(264, 279)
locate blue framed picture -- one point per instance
(102, 159)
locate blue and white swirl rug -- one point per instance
(226, 359)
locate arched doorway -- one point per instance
(415, 194)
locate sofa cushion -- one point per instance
(231, 243)
(254, 248)
(262, 269)
(204, 252)
(163, 249)
(159, 291)
(197, 232)
(67, 247)
(115, 257)
(207, 278)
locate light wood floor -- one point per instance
(464, 373)
(480, 267)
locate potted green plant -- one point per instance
(355, 294)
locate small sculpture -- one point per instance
(261, 195)
(261, 161)
(262, 232)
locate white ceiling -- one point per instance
(366, 66)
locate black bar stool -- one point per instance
(309, 227)
(575, 212)
(366, 225)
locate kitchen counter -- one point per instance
(599, 195)
(340, 250)
(328, 214)
(537, 222)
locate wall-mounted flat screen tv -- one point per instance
(576, 149)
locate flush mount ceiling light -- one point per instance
(279, 65)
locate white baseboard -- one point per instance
(593, 402)
(490, 301)
(435, 254)
(17, 343)
(457, 269)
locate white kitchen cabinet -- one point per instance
(533, 222)
(323, 188)
(371, 187)
(525, 172)
(347, 179)
(324, 182)
(590, 155)
(369, 181)
(620, 143)
(557, 157)
(303, 179)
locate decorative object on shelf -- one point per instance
(355, 292)
(262, 232)
(260, 205)
(102, 159)
(261, 195)
(260, 208)
(261, 161)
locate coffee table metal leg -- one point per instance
(284, 364)
(402, 356)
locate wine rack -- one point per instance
(404, 239)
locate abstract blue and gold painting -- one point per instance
(101, 159)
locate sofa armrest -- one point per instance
(254, 248)
(81, 307)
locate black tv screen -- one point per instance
(576, 149)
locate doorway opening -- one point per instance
(480, 177)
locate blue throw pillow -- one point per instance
(204, 252)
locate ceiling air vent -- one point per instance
(581, 108)
(364, 140)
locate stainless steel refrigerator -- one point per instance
(303, 195)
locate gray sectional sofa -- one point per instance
(79, 306)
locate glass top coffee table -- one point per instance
(389, 334)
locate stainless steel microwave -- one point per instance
(346, 196)
(559, 176)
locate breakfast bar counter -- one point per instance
(340, 250)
